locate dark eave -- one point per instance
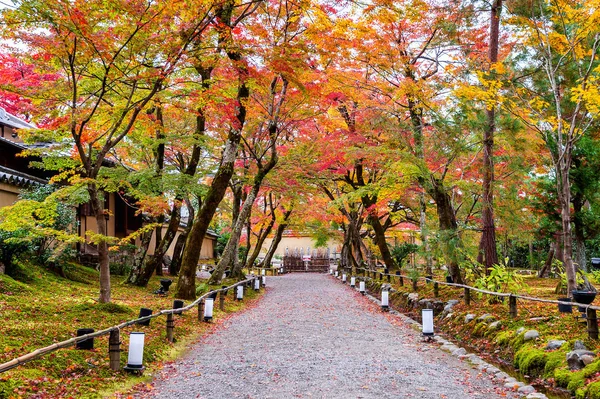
(19, 179)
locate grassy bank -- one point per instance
(39, 308)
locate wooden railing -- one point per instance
(114, 331)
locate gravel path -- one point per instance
(312, 337)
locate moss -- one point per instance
(480, 329)
(517, 342)
(573, 380)
(580, 394)
(530, 360)
(503, 338)
(593, 390)
(554, 360)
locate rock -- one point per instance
(425, 303)
(513, 384)
(575, 359)
(531, 335)
(555, 344)
(536, 395)
(495, 326)
(413, 297)
(469, 317)
(587, 359)
(520, 330)
(579, 345)
(450, 305)
(167, 260)
(526, 389)
(486, 317)
(449, 315)
(459, 352)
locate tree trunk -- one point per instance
(488, 254)
(180, 243)
(262, 236)
(578, 225)
(381, 243)
(155, 261)
(425, 234)
(97, 202)
(158, 238)
(229, 253)
(186, 285)
(448, 229)
(564, 194)
(277, 238)
(545, 270)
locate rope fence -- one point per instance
(590, 310)
(114, 331)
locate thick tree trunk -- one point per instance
(381, 243)
(186, 285)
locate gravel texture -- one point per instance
(312, 337)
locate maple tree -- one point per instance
(112, 59)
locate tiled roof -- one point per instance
(19, 179)
(12, 121)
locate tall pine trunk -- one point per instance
(488, 254)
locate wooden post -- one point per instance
(389, 278)
(201, 310)
(512, 306)
(467, 296)
(222, 296)
(592, 323)
(401, 281)
(114, 349)
(380, 276)
(414, 285)
(436, 289)
(170, 327)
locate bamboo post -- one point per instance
(170, 327)
(592, 323)
(512, 306)
(467, 296)
(201, 310)
(114, 349)
(436, 289)
(222, 296)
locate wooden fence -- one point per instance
(114, 348)
(590, 310)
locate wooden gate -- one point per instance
(318, 262)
